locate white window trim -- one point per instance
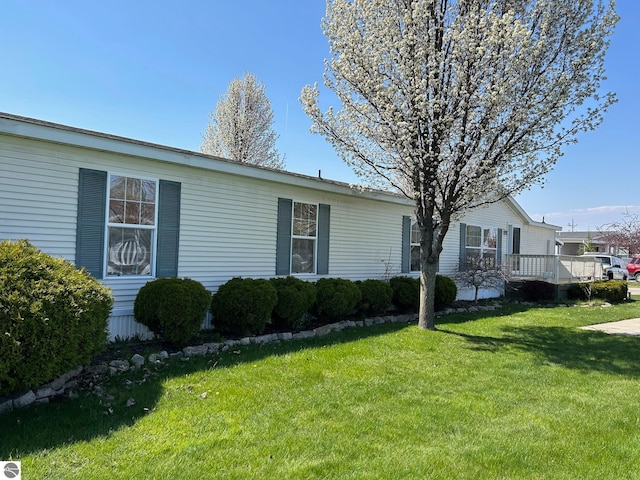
(154, 227)
(482, 249)
(301, 237)
(412, 244)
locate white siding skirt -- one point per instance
(123, 325)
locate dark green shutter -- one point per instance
(168, 228)
(499, 248)
(283, 239)
(90, 231)
(516, 240)
(406, 245)
(324, 214)
(463, 245)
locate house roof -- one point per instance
(528, 220)
(579, 237)
(32, 128)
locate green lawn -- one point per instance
(517, 394)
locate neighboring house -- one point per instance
(130, 211)
(576, 243)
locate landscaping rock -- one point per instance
(269, 338)
(197, 351)
(118, 366)
(137, 360)
(159, 357)
(323, 330)
(6, 405)
(303, 335)
(213, 348)
(24, 399)
(100, 369)
(59, 382)
(45, 392)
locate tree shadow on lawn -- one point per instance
(41, 427)
(569, 347)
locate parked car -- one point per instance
(613, 268)
(633, 267)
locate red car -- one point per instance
(633, 267)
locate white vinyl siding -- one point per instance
(227, 222)
(228, 213)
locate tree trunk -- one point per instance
(426, 318)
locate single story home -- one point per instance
(130, 211)
(577, 242)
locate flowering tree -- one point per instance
(479, 273)
(624, 233)
(242, 127)
(459, 103)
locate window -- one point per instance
(161, 227)
(415, 247)
(303, 238)
(131, 226)
(481, 243)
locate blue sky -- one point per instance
(153, 71)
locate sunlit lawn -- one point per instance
(522, 394)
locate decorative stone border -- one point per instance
(90, 376)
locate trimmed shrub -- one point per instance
(243, 306)
(446, 292)
(377, 296)
(612, 291)
(538, 291)
(53, 316)
(295, 299)
(406, 293)
(172, 308)
(336, 298)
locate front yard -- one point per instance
(515, 394)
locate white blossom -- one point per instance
(459, 103)
(241, 128)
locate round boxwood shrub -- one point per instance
(53, 316)
(295, 299)
(406, 293)
(243, 306)
(377, 296)
(336, 298)
(172, 308)
(446, 292)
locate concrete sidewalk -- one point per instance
(623, 327)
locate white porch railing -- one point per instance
(558, 269)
